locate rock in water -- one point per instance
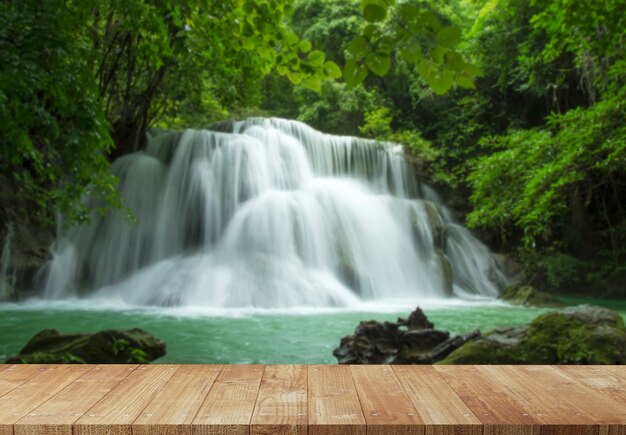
(583, 334)
(133, 346)
(407, 341)
(529, 296)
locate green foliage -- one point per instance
(377, 125)
(53, 133)
(82, 82)
(531, 176)
(416, 35)
(338, 108)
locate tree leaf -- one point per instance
(455, 60)
(354, 73)
(430, 20)
(411, 53)
(449, 37)
(408, 12)
(378, 64)
(464, 81)
(316, 58)
(292, 38)
(472, 70)
(357, 47)
(313, 83)
(294, 77)
(332, 70)
(374, 13)
(305, 45)
(440, 84)
(424, 68)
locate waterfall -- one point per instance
(270, 213)
(7, 282)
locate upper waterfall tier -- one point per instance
(270, 214)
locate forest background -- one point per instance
(514, 109)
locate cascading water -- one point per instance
(272, 214)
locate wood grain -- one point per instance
(58, 414)
(20, 401)
(115, 413)
(281, 405)
(487, 400)
(557, 402)
(14, 376)
(227, 408)
(385, 405)
(608, 381)
(334, 406)
(327, 400)
(441, 409)
(588, 405)
(173, 409)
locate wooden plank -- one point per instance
(386, 407)
(173, 409)
(115, 413)
(228, 407)
(441, 409)
(17, 403)
(15, 375)
(58, 414)
(334, 407)
(281, 405)
(609, 381)
(487, 400)
(558, 403)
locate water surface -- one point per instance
(197, 335)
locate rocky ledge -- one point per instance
(584, 334)
(529, 296)
(133, 346)
(407, 341)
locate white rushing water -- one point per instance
(272, 215)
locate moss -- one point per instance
(560, 338)
(480, 351)
(574, 335)
(529, 296)
(111, 346)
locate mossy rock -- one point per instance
(529, 296)
(583, 334)
(134, 346)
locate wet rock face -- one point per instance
(407, 341)
(24, 246)
(134, 346)
(529, 296)
(583, 334)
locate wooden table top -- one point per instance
(316, 399)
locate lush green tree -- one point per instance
(556, 190)
(82, 81)
(54, 136)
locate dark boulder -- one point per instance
(133, 346)
(407, 341)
